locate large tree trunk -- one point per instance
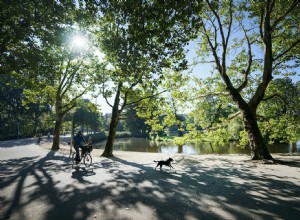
(256, 141)
(58, 122)
(108, 151)
(56, 135)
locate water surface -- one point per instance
(144, 145)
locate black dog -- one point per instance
(164, 162)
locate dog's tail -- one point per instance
(155, 161)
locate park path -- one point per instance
(39, 184)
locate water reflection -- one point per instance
(143, 145)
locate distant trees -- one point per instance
(87, 116)
(166, 111)
(133, 123)
(16, 118)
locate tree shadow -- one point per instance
(81, 172)
(17, 142)
(288, 162)
(119, 189)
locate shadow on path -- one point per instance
(47, 188)
(18, 142)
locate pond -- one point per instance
(144, 145)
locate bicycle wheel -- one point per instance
(87, 160)
(74, 158)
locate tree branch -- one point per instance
(209, 94)
(229, 26)
(230, 117)
(276, 95)
(278, 20)
(147, 97)
(224, 124)
(69, 80)
(262, 11)
(72, 103)
(217, 59)
(287, 50)
(107, 102)
(247, 71)
(64, 74)
(139, 80)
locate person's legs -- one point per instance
(82, 149)
(77, 153)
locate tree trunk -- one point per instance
(211, 147)
(179, 132)
(72, 135)
(180, 149)
(56, 135)
(257, 144)
(58, 122)
(108, 151)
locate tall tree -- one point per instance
(32, 50)
(249, 39)
(139, 38)
(64, 75)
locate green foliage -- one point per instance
(243, 138)
(218, 137)
(15, 115)
(241, 37)
(133, 123)
(180, 141)
(139, 39)
(87, 116)
(279, 112)
(25, 25)
(36, 51)
(166, 111)
(144, 51)
(96, 137)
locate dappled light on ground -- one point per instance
(47, 187)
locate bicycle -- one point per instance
(85, 156)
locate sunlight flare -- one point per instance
(79, 42)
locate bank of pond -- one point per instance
(145, 145)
